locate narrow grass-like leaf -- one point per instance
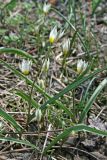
(26, 97)
(82, 102)
(92, 99)
(40, 90)
(71, 86)
(73, 39)
(10, 119)
(11, 5)
(16, 51)
(25, 142)
(87, 90)
(76, 128)
(95, 4)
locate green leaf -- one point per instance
(16, 51)
(3, 31)
(95, 4)
(27, 143)
(11, 5)
(27, 98)
(76, 128)
(82, 102)
(71, 86)
(92, 99)
(10, 119)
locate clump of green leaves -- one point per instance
(58, 109)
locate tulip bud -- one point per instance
(81, 66)
(46, 65)
(37, 29)
(53, 35)
(25, 66)
(41, 83)
(43, 44)
(1, 124)
(38, 115)
(66, 46)
(61, 33)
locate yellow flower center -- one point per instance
(79, 70)
(26, 72)
(51, 39)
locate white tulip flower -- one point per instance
(46, 8)
(25, 66)
(53, 35)
(81, 66)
